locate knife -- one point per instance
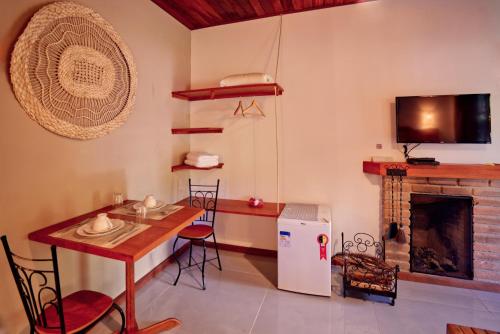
(124, 234)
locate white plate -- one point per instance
(159, 205)
(86, 229)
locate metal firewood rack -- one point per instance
(365, 269)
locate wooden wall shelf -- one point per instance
(185, 167)
(229, 92)
(240, 207)
(454, 171)
(187, 131)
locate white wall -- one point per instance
(47, 178)
(341, 69)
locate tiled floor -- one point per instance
(243, 299)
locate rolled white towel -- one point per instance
(246, 79)
(200, 164)
(200, 155)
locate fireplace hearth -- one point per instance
(441, 235)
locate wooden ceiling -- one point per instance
(197, 14)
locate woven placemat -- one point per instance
(129, 230)
(128, 210)
(72, 73)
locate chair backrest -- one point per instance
(364, 243)
(34, 287)
(204, 197)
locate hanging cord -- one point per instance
(276, 117)
(275, 124)
(277, 152)
(254, 160)
(407, 151)
(279, 47)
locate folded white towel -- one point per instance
(246, 79)
(205, 162)
(200, 164)
(201, 156)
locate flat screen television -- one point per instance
(444, 119)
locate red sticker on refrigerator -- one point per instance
(322, 241)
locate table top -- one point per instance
(132, 249)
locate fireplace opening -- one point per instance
(441, 235)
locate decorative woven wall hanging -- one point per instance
(72, 73)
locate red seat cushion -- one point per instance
(196, 232)
(81, 309)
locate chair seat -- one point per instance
(196, 232)
(81, 309)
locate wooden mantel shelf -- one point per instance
(454, 171)
(240, 207)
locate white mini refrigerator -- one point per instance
(304, 249)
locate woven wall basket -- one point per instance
(72, 73)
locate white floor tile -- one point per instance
(455, 297)
(288, 312)
(243, 299)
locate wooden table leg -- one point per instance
(161, 326)
(131, 322)
(130, 297)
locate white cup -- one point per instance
(101, 223)
(149, 201)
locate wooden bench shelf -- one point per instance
(185, 167)
(228, 92)
(240, 207)
(459, 329)
(186, 131)
(456, 171)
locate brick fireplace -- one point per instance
(485, 195)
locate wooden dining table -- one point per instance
(129, 251)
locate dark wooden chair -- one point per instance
(47, 311)
(365, 269)
(205, 197)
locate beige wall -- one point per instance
(47, 178)
(341, 69)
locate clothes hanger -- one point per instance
(255, 105)
(238, 108)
